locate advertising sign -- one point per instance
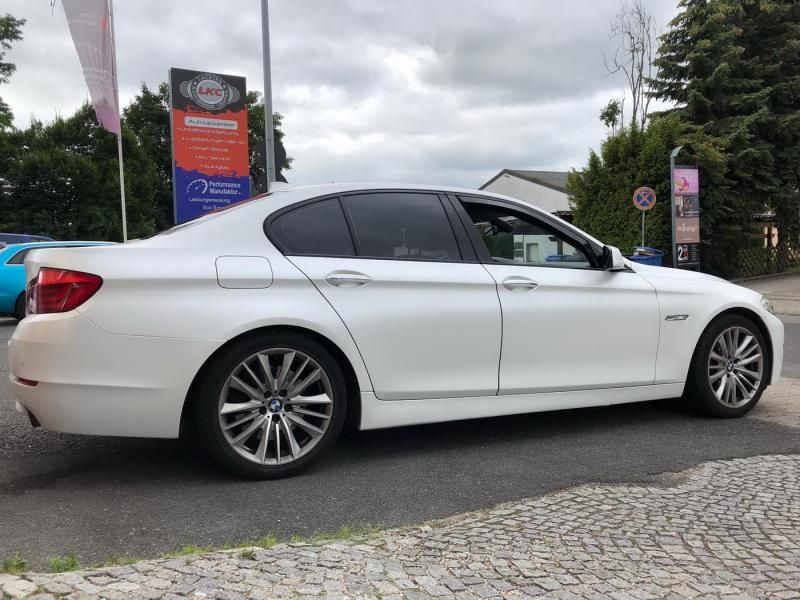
(210, 159)
(686, 215)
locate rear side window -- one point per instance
(19, 257)
(402, 226)
(318, 228)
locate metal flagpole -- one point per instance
(268, 141)
(119, 136)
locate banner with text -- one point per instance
(686, 216)
(210, 159)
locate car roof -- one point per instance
(284, 195)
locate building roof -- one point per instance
(555, 180)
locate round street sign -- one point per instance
(644, 198)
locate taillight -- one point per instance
(60, 290)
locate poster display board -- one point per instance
(686, 216)
(210, 159)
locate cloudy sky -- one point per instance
(429, 91)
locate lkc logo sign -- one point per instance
(209, 91)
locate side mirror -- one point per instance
(612, 259)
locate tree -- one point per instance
(65, 181)
(731, 67)
(634, 29)
(147, 116)
(255, 126)
(611, 115)
(10, 31)
(601, 193)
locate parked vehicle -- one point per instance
(22, 238)
(270, 324)
(12, 273)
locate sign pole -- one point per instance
(268, 134)
(642, 227)
(644, 198)
(673, 155)
(119, 135)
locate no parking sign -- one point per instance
(644, 198)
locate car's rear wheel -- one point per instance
(729, 368)
(19, 307)
(270, 406)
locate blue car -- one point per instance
(12, 273)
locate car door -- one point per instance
(422, 310)
(567, 323)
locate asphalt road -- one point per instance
(104, 497)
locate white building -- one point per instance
(544, 189)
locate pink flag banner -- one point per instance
(90, 27)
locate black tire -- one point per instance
(19, 307)
(699, 393)
(209, 387)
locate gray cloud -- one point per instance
(446, 91)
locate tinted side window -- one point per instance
(318, 228)
(402, 226)
(512, 237)
(19, 257)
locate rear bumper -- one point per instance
(93, 382)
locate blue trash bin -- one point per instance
(647, 256)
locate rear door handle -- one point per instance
(348, 279)
(519, 283)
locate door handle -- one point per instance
(519, 283)
(348, 279)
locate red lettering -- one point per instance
(209, 91)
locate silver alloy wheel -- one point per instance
(275, 406)
(735, 367)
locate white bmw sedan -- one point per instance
(268, 325)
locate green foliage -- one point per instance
(62, 564)
(64, 181)
(601, 194)
(15, 565)
(732, 70)
(10, 31)
(255, 130)
(611, 115)
(732, 67)
(147, 116)
(247, 554)
(61, 179)
(268, 541)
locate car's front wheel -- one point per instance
(270, 406)
(729, 368)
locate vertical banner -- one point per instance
(90, 27)
(210, 159)
(686, 216)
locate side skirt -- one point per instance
(379, 414)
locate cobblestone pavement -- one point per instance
(726, 528)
